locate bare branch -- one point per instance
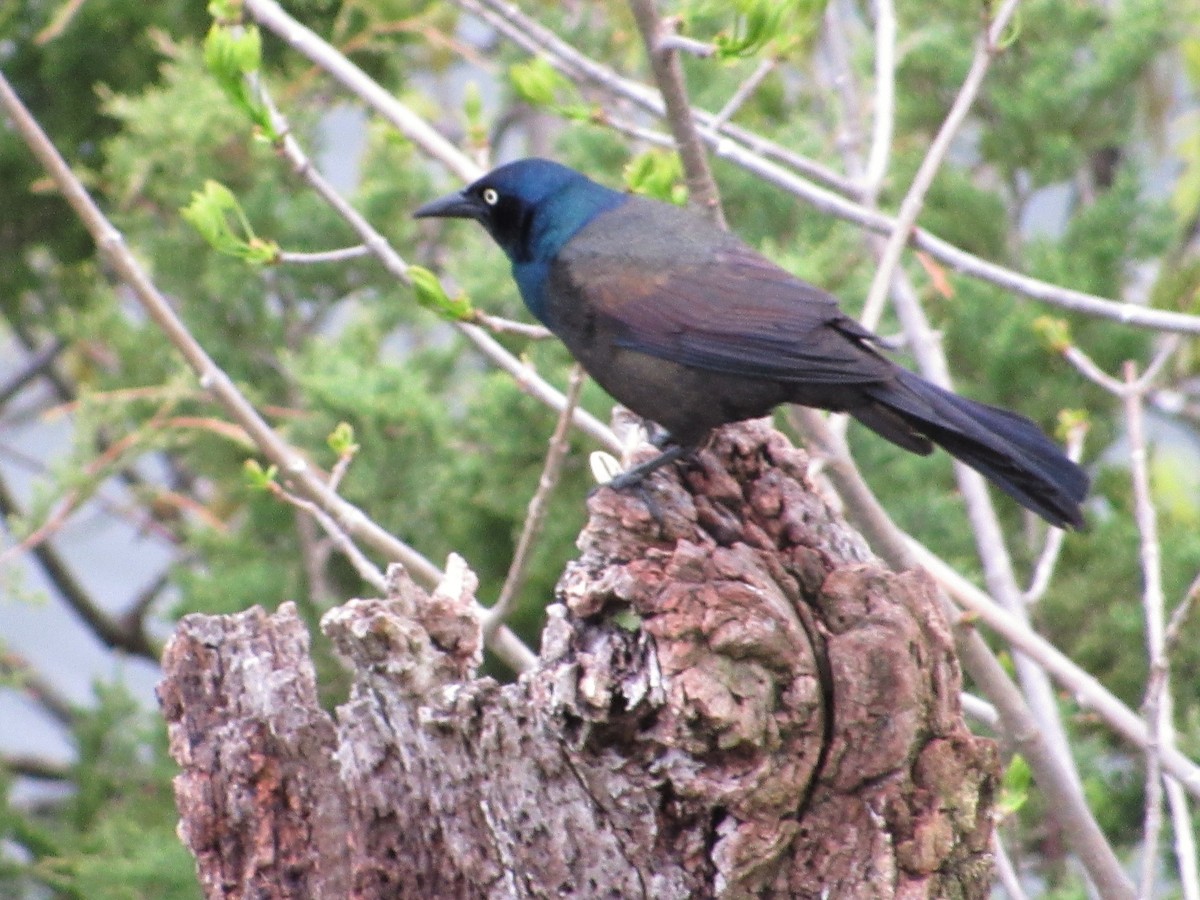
(678, 43)
(1180, 615)
(555, 456)
(668, 73)
(979, 710)
(744, 92)
(1156, 701)
(367, 570)
(127, 636)
(1185, 840)
(910, 207)
(1043, 570)
(18, 670)
(325, 256)
(1157, 704)
(34, 367)
(27, 765)
(508, 326)
(1005, 873)
(884, 113)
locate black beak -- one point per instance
(452, 206)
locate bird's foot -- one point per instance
(635, 479)
(631, 477)
(658, 436)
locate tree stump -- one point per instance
(733, 699)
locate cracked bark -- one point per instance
(733, 698)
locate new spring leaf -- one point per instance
(431, 295)
(217, 215)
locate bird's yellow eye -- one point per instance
(490, 197)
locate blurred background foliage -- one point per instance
(1078, 166)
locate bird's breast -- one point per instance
(532, 281)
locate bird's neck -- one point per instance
(552, 223)
(560, 216)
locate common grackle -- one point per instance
(688, 327)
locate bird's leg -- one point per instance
(634, 476)
(658, 436)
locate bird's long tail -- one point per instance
(1007, 449)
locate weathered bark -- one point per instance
(733, 698)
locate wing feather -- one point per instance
(730, 311)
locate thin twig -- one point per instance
(119, 635)
(135, 614)
(324, 256)
(1086, 367)
(678, 43)
(979, 709)
(1180, 616)
(1115, 386)
(1006, 874)
(367, 570)
(668, 73)
(1156, 705)
(500, 325)
(94, 471)
(884, 113)
(34, 367)
(744, 92)
(914, 200)
(1043, 570)
(1185, 841)
(535, 518)
(21, 673)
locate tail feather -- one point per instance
(1007, 449)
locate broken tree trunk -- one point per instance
(733, 698)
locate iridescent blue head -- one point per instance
(530, 207)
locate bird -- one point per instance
(688, 327)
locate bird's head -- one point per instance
(530, 207)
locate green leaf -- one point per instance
(1054, 332)
(233, 52)
(431, 295)
(657, 174)
(226, 10)
(1014, 787)
(536, 81)
(341, 440)
(260, 479)
(473, 104)
(759, 22)
(214, 212)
